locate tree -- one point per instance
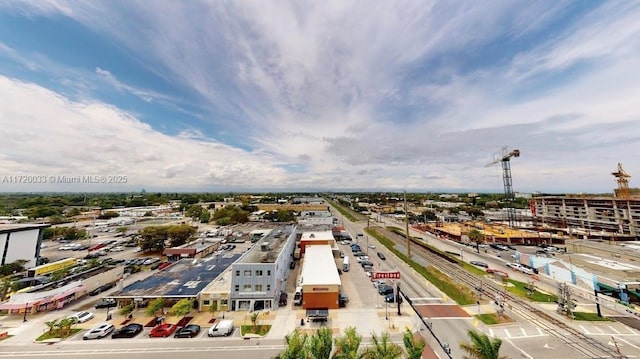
(155, 306)
(295, 346)
(127, 309)
(14, 267)
(182, 307)
(205, 217)
(51, 325)
(413, 346)
(347, 346)
(382, 348)
(319, 345)
(194, 211)
(254, 320)
(476, 237)
(65, 325)
(181, 234)
(482, 347)
(153, 237)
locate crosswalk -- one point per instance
(609, 330)
(517, 331)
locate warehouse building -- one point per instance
(319, 280)
(19, 241)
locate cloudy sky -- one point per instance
(319, 95)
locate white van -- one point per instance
(222, 329)
(297, 297)
(345, 264)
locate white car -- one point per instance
(99, 332)
(116, 249)
(514, 266)
(82, 317)
(362, 258)
(371, 246)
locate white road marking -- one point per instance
(522, 352)
(614, 329)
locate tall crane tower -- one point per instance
(622, 178)
(505, 158)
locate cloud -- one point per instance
(47, 134)
(354, 94)
(113, 81)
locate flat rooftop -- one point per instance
(276, 240)
(185, 278)
(4, 228)
(319, 266)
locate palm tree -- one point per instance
(482, 347)
(476, 237)
(254, 320)
(413, 346)
(319, 344)
(295, 346)
(382, 348)
(348, 345)
(51, 325)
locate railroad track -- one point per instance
(573, 338)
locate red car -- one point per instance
(163, 330)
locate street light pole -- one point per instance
(26, 307)
(406, 221)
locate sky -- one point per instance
(318, 95)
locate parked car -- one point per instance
(99, 332)
(190, 331)
(381, 256)
(106, 303)
(390, 298)
(102, 288)
(480, 264)
(283, 298)
(371, 246)
(343, 299)
(385, 289)
(162, 330)
(366, 263)
(82, 317)
(128, 331)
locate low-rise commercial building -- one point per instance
(260, 275)
(320, 280)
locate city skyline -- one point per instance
(305, 96)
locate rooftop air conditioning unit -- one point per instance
(264, 247)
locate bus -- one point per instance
(51, 267)
(345, 264)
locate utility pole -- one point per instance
(406, 223)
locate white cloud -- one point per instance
(46, 134)
(344, 92)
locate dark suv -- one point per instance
(381, 256)
(283, 298)
(106, 303)
(386, 289)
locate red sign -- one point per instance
(385, 275)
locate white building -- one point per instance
(21, 241)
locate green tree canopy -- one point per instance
(348, 345)
(414, 347)
(182, 307)
(482, 346)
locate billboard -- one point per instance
(385, 275)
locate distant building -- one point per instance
(21, 241)
(197, 249)
(592, 217)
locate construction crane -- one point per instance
(505, 158)
(622, 178)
